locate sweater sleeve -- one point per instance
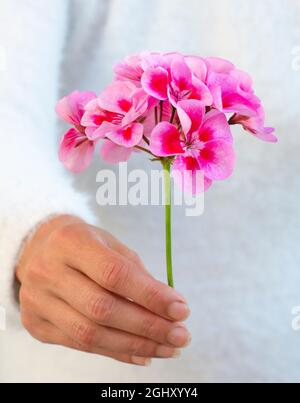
(33, 185)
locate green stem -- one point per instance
(168, 196)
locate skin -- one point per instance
(83, 289)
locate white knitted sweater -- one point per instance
(239, 264)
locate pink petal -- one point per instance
(255, 126)
(76, 151)
(181, 74)
(129, 136)
(215, 126)
(217, 159)
(197, 66)
(267, 134)
(233, 98)
(140, 104)
(216, 93)
(155, 83)
(113, 154)
(187, 174)
(140, 101)
(129, 70)
(151, 60)
(93, 119)
(150, 120)
(95, 134)
(165, 140)
(245, 82)
(116, 97)
(234, 102)
(219, 65)
(191, 114)
(71, 107)
(201, 92)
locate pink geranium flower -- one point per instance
(130, 69)
(203, 144)
(231, 88)
(124, 104)
(256, 126)
(170, 78)
(76, 148)
(114, 117)
(176, 108)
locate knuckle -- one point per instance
(64, 235)
(27, 321)
(149, 328)
(100, 308)
(135, 257)
(151, 294)
(83, 334)
(37, 270)
(34, 327)
(132, 255)
(26, 298)
(115, 274)
(136, 346)
(23, 297)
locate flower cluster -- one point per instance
(170, 106)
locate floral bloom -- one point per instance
(130, 69)
(204, 144)
(125, 104)
(255, 125)
(173, 80)
(177, 108)
(231, 88)
(172, 106)
(114, 116)
(76, 148)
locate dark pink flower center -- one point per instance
(127, 133)
(191, 163)
(205, 135)
(125, 105)
(207, 154)
(98, 119)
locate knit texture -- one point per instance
(33, 185)
(238, 264)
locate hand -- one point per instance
(81, 288)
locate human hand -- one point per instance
(81, 288)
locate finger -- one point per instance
(124, 278)
(109, 310)
(47, 333)
(86, 333)
(121, 276)
(113, 243)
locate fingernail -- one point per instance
(166, 352)
(179, 336)
(178, 311)
(142, 361)
(177, 354)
